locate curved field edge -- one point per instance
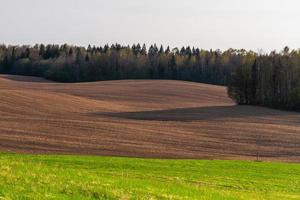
(87, 177)
(141, 118)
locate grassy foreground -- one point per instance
(75, 177)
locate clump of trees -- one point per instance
(271, 80)
(74, 64)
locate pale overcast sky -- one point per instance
(250, 24)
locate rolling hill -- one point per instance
(141, 118)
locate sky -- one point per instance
(207, 24)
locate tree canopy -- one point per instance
(67, 63)
(268, 80)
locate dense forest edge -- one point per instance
(266, 79)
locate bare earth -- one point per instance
(141, 118)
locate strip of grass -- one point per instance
(77, 177)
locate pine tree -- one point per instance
(144, 50)
(161, 50)
(42, 51)
(168, 50)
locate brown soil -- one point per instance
(141, 118)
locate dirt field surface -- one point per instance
(141, 118)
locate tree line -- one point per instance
(252, 78)
(67, 63)
(271, 80)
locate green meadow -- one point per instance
(86, 177)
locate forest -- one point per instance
(271, 80)
(66, 63)
(267, 79)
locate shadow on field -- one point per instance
(200, 113)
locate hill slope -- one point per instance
(143, 118)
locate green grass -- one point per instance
(76, 177)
